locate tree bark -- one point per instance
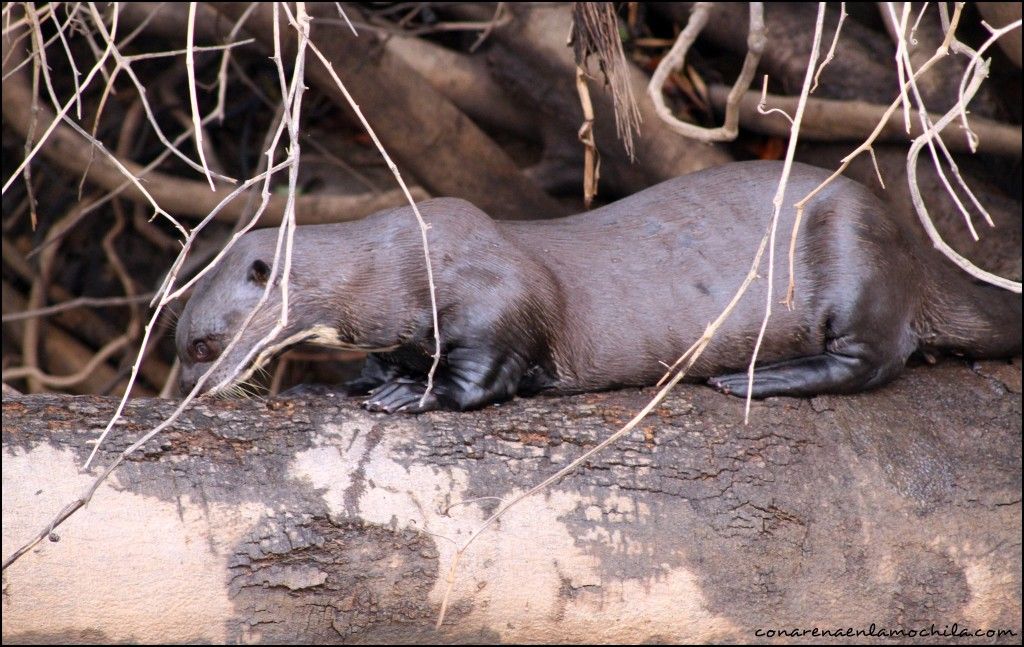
(315, 521)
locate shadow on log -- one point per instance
(315, 521)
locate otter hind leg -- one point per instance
(845, 367)
(868, 339)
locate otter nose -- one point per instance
(186, 384)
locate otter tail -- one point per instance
(971, 317)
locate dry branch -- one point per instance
(939, 88)
(676, 58)
(316, 521)
(847, 120)
(65, 354)
(89, 328)
(420, 128)
(861, 69)
(69, 151)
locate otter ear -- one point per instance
(259, 272)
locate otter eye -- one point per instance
(202, 351)
(259, 272)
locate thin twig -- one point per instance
(80, 302)
(926, 123)
(764, 110)
(62, 112)
(832, 49)
(591, 157)
(777, 202)
(222, 72)
(940, 53)
(190, 66)
(900, 50)
(496, 20)
(123, 63)
(62, 116)
(424, 227)
(75, 74)
(341, 12)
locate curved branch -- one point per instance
(677, 57)
(915, 192)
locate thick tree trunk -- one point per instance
(314, 521)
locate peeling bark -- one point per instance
(315, 521)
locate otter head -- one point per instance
(221, 302)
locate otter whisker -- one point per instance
(251, 390)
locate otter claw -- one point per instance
(732, 384)
(402, 395)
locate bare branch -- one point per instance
(80, 302)
(831, 50)
(677, 57)
(844, 120)
(940, 53)
(980, 72)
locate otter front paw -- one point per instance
(402, 395)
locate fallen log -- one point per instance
(315, 521)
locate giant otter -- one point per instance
(605, 299)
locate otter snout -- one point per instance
(186, 383)
(190, 375)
